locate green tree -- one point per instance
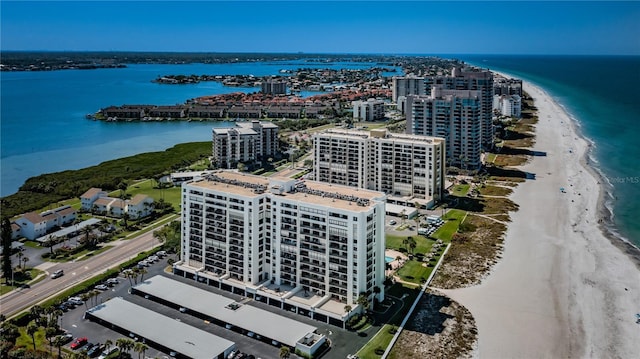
(25, 259)
(5, 235)
(285, 352)
(140, 348)
(50, 334)
(362, 300)
(58, 342)
(125, 344)
(347, 308)
(32, 329)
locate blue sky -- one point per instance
(416, 27)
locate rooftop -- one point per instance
(177, 336)
(91, 192)
(243, 316)
(331, 195)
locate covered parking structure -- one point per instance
(249, 320)
(159, 331)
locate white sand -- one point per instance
(562, 289)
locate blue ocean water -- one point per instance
(42, 114)
(601, 93)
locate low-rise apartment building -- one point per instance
(34, 225)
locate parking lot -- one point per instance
(343, 342)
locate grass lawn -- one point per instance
(26, 341)
(460, 190)
(170, 195)
(423, 245)
(4, 288)
(452, 219)
(413, 271)
(490, 157)
(383, 337)
(380, 341)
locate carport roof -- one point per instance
(175, 335)
(259, 321)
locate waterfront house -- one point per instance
(140, 206)
(167, 112)
(90, 196)
(34, 225)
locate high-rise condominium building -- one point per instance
(307, 247)
(456, 116)
(274, 87)
(481, 81)
(408, 168)
(370, 110)
(245, 142)
(407, 85)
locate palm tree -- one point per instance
(32, 329)
(412, 243)
(25, 259)
(140, 348)
(362, 300)
(125, 344)
(285, 352)
(122, 186)
(19, 255)
(142, 272)
(50, 333)
(107, 344)
(59, 342)
(347, 308)
(85, 298)
(125, 217)
(36, 312)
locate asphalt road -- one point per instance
(74, 273)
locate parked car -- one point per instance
(112, 281)
(101, 287)
(108, 352)
(153, 259)
(392, 222)
(66, 338)
(76, 300)
(95, 350)
(56, 274)
(79, 342)
(161, 254)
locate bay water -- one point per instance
(43, 128)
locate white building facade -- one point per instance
(408, 168)
(456, 116)
(284, 239)
(370, 110)
(246, 142)
(508, 105)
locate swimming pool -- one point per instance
(388, 259)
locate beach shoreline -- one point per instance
(566, 286)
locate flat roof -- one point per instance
(254, 319)
(161, 329)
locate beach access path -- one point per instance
(562, 289)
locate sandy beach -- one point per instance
(562, 288)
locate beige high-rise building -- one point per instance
(408, 168)
(456, 116)
(253, 141)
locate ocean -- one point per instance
(601, 94)
(43, 128)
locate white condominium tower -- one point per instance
(308, 247)
(408, 168)
(475, 80)
(245, 142)
(456, 116)
(407, 85)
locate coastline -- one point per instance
(569, 288)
